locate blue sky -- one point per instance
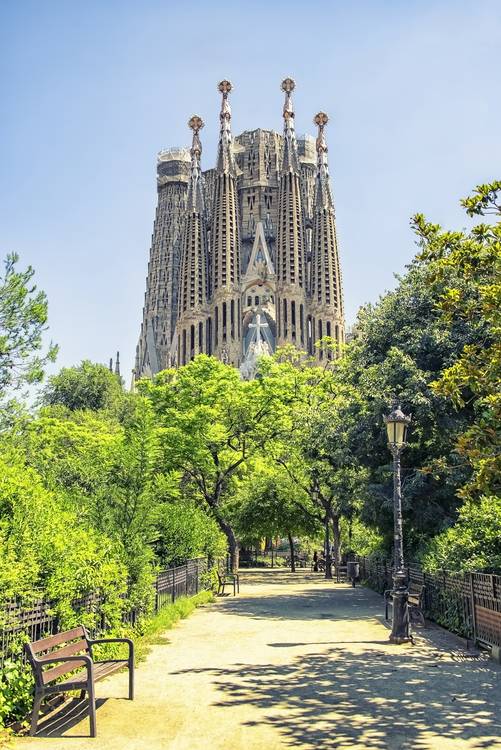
(90, 91)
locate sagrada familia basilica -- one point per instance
(244, 256)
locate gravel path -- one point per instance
(294, 662)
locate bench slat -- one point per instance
(54, 672)
(71, 649)
(54, 640)
(100, 671)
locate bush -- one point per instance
(473, 543)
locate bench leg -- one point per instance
(34, 716)
(131, 679)
(92, 709)
(386, 609)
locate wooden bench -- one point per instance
(415, 600)
(71, 651)
(227, 579)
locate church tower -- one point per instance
(244, 255)
(192, 330)
(290, 252)
(327, 318)
(225, 244)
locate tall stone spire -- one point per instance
(326, 294)
(225, 244)
(290, 253)
(191, 328)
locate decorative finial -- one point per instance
(195, 123)
(321, 120)
(288, 85)
(225, 87)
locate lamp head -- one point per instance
(397, 424)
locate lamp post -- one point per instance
(396, 424)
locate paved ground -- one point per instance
(295, 662)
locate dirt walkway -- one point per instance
(295, 662)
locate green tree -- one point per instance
(211, 424)
(23, 321)
(270, 504)
(88, 386)
(464, 269)
(318, 421)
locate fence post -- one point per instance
(157, 603)
(196, 576)
(173, 585)
(473, 613)
(186, 579)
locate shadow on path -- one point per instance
(377, 700)
(309, 604)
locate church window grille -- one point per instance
(192, 342)
(200, 337)
(184, 348)
(301, 322)
(216, 326)
(208, 336)
(232, 319)
(223, 321)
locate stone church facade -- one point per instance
(244, 257)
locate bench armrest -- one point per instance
(387, 593)
(93, 641)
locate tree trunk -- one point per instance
(336, 543)
(233, 546)
(291, 546)
(327, 553)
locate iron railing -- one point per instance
(469, 604)
(20, 622)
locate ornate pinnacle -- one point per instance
(321, 120)
(288, 85)
(196, 124)
(225, 156)
(225, 87)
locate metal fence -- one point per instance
(466, 603)
(20, 622)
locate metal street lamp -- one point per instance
(397, 424)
